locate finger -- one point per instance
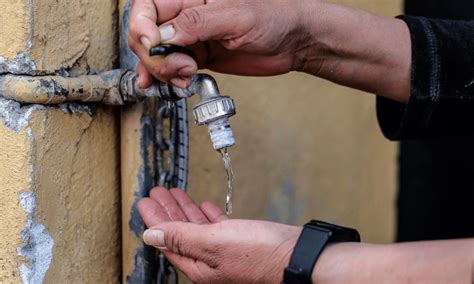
(246, 63)
(143, 24)
(173, 66)
(183, 238)
(152, 64)
(213, 212)
(181, 82)
(176, 65)
(167, 10)
(208, 22)
(169, 204)
(145, 79)
(187, 205)
(151, 212)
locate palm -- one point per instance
(176, 205)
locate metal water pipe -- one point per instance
(119, 87)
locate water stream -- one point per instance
(230, 179)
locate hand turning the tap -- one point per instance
(238, 37)
(270, 37)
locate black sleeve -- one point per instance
(442, 83)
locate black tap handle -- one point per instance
(165, 49)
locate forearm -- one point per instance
(357, 49)
(417, 262)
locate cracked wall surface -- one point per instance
(76, 156)
(59, 199)
(14, 179)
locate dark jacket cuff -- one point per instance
(442, 100)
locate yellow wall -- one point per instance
(59, 169)
(15, 24)
(15, 183)
(48, 36)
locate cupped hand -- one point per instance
(175, 205)
(210, 248)
(243, 37)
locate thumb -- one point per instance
(142, 26)
(208, 22)
(186, 239)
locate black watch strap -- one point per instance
(314, 237)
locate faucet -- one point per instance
(212, 110)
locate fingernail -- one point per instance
(145, 42)
(140, 81)
(153, 237)
(167, 32)
(187, 71)
(179, 82)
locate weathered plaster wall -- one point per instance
(59, 166)
(59, 195)
(14, 28)
(131, 163)
(306, 148)
(77, 180)
(47, 36)
(14, 179)
(137, 159)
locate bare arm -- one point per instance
(449, 261)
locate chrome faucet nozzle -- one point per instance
(212, 110)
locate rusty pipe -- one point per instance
(118, 87)
(57, 89)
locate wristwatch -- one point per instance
(312, 241)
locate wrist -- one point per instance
(284, 252)
(336, 263)
(326, 37)
(332, 34)
(331, 265)
(309, 52)
(355, 48)
(349, 263)
(315, 237)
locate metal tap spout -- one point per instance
(204, 85)
(212, 110)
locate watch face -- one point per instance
(338, 233)
(313, 239)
